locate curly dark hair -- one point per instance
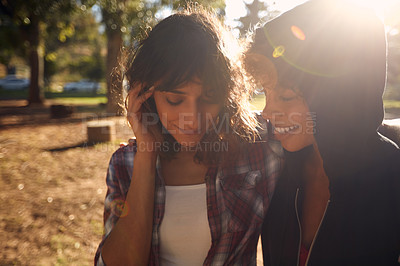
(194, 44)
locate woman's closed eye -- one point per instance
(288, 98)
(288, 95)
(209, 100)
(209, 97)
(174, 100)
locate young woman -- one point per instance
(323, 68)
(195, 186)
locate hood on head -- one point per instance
(336, 53)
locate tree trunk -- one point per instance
(113, 75)
(35, 94)
(10, 69)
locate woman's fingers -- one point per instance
(134, 92)
(139, 100)
(135, 103)
(132, 95)
(142, 98)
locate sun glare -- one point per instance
(298, 33)
(378, 6)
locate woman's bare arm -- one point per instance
(129, 242)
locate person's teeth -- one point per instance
(283, 130)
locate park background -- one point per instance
(52, 177)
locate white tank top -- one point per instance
(185, 236)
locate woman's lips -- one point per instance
(189, 132)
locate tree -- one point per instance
(74, 48)
(218, 5)
(115, 17)
(11, 44)
(392, 22)
(30, 17)
(257, 11)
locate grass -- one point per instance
(77, 98)
(80, 100)
(13, 94)
(258, 102)
(54, 95)
(391, 104)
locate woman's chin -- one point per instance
(293, 146)
(188, 144)
(188, 140)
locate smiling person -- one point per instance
(195, 185)
(323, 69)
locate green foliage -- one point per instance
(218, 6)
(11, 42)
(30, 17)
(127, 18)
(13, 94)
(25, 15)
(132, 17)
(91, 67)
(392, 22)
(257, 11)
(75, 50)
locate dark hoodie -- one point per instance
(336, 53)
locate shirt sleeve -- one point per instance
(118, 181)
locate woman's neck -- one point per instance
(315, 196)
(313, 172)
(183, 170)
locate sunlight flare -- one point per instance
(298, 33)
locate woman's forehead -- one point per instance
(190, 88)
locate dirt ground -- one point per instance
(53, 188)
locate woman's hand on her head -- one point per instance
(134, 115)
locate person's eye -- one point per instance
(288, 98)
(288, 95)
(209, 100)
(209, 97)
(174, 102)
(210, 93)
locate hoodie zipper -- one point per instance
(316, 233)
(298, 223)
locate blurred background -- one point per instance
(61, 118)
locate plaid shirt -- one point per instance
(238, 197)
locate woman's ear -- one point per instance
(262, 69)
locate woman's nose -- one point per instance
(271, 110)
(191, 116)
(192, 121)
(266, 112)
